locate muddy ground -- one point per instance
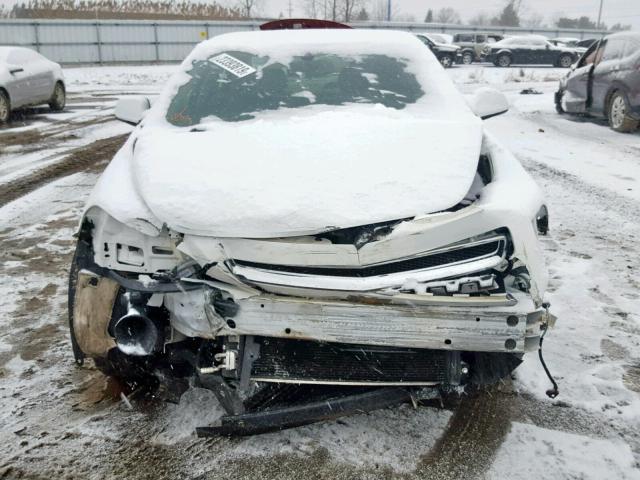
(58, 420)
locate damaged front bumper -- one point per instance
(441, 300)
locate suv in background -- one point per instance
(606, 82)
(446, 53)
(472, 45)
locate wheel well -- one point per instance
(607, 98)
(60, 82)
(3, 90)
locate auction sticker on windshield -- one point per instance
(233, 65)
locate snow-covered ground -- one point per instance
(63, 421)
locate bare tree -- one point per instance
(248, 7)
(481, 19)
(533, 20)
(380, 10)
(447, 15)
(349, 7)
(314, 8)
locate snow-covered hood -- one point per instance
(304, 174)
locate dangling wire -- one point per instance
(552, 392)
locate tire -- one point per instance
(565, 61)
(618, 114)
(467, 58)
(446, 61)
(558, 101)
(5, 107)
(503, 60)
(59, 98)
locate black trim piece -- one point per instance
(288, 417)
(463, 254)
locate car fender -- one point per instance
(503, 51)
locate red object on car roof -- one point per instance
(296, 23)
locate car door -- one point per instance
(578, 88)
(538, 51)
(522, 51)
(605, 71)
(41, 76)
(18, 84)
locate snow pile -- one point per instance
(533, 452)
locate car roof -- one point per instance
(283, 43)
(5, 50)
(624, 35)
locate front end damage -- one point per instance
(291, 330)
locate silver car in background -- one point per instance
(27, 79)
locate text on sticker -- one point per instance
(233, 65)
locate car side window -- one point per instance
(613, 50)
(21, 56)
(481, 39)
(600, 52)
(465, 38)
(589, 56)
(632, 46)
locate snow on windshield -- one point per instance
(235, 86)
(282, 71)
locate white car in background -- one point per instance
(310, 207)
(28, 79)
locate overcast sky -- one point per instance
(614, 11)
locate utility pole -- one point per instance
(388, 10)
(599, 14)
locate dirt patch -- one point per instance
(478, 427)
(92, 156)
(35, 140)
(631, 378)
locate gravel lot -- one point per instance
(60, 421)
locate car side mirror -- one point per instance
(488, 102)
(13, 71)
(132, 109)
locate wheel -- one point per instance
(446, 60)
(558, 101)
(565, 61)
(59, 98)
(5, 107)
(619, 119)
(467, 58)
(504, 60)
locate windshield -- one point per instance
(235, 86)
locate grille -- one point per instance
(458, 255)
(291, 360)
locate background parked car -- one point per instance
(587, 42)
(439, 37)
(606, 82)
(26, 79)
(531, 50)
(473, 44)
(569, 42)
(447, 54)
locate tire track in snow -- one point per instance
(79, 159)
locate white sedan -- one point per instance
(310, 207)
(27, 79)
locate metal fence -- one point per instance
(138, 41)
